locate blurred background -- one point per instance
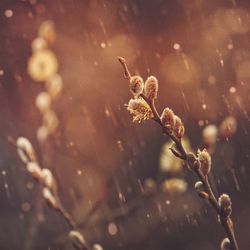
(117, 178)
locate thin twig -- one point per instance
(68, 218)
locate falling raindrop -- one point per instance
(8, 13)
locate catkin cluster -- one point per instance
(43, 67)
(42, 175)
(145, 94)
(46, 179)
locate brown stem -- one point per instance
(213, 201)
(125, 67)
(226, 222)
(71, 223)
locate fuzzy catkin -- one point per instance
(168, 118)
(205, 160)
(136, 85)
(151, 88)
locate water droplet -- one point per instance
(232, 90)
(112, 228)
(177, 46)
(103, 45)
(204, 106)
(26, 207)
(8, 13)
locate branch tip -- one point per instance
(125, 67)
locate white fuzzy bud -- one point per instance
(50, 121)
(209, 135)
(151, 88)
(42, 134)
(54, 86)
(179, 128)
(77, 239)
(97, 247)
(168, 118)
(205, 160)
(199, 187)
(25, 150)
(140, 110)
(47, 32)
(225, 201)
(48, 179)
(39, 44)
(35, 170)
(49, 197)
(225, 244)
(225, 204)
(43, 102)
(136, 85)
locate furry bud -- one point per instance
(225, 244)
(139, 109)
(25, 150)
(97, 247)
(48, 179)
(225, 201)
(209, 135)
(179, 128)
(136, 85)
(205, 160)
(49, 197)
(35, 170)
(168, 118)
(151, 88)
(43, 102)
(225, 204)
(199, 187)
(77, 239)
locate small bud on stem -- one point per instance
(225, 204)
(199, 187)
(205, 160)
(151, 88)
(225, 244)
(168, 118)
(136, 85)
(179, 128)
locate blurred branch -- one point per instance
(46, 180)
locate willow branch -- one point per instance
(181, 153)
